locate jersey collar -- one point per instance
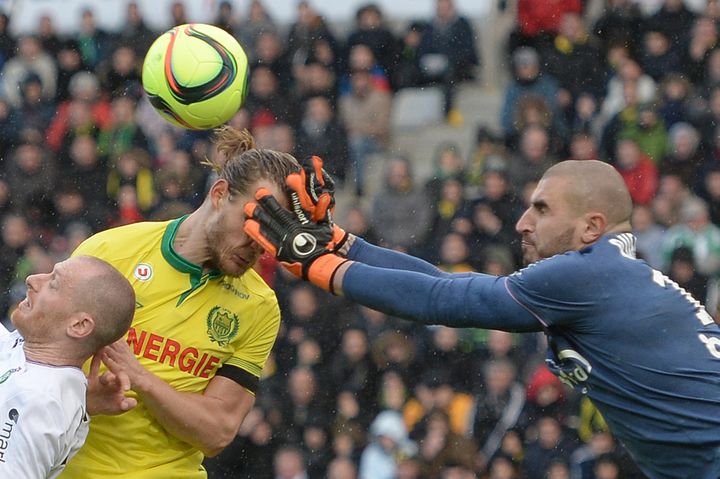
(197, 278)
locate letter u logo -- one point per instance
(143, 272)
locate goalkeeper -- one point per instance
(642, 348)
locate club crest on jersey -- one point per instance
(143, 272)
(222, 325)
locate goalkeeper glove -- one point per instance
(314, 189)
(303, 247)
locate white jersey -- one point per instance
(43, 421)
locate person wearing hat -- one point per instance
(528, 80)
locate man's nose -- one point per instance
(34, 281)
(524, 223)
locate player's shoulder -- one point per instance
(578, 270)
(127, 237)
(51, 389)
(255, 284)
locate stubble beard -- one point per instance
(562, 243)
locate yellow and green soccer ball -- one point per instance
(195, 76)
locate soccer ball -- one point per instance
(195, 76)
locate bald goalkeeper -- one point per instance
(644, 350)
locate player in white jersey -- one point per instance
(68, 315)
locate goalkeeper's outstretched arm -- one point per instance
(456, 300)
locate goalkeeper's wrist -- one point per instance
(346, 244)
(322, 271)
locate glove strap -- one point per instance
(322, 271)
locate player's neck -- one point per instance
(190, 240)
(50, 354)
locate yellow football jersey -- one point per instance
(188, 325)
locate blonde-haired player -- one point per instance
(205, 323)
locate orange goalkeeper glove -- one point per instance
(315, 191)
(303, 247)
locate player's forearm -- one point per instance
(195, 418)
(476, 300)
(372, 255)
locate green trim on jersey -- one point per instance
(197, 278)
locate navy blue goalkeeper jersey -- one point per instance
(645, 351)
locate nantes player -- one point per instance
(205, 323)
(645, 351)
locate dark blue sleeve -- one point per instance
(468, 300)
(372, 255)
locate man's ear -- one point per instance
(219, 192)
(81, 326)
(595, 226)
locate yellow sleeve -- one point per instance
(252, 353)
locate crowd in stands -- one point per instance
(350, 392)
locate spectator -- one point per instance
(256, 24)
(527, 80)
(94, 42)
(406, 71)
(703, 40)
(440, 447)
(683, 272)
(132, 168)
(268, 51)
(31, 58)
(366, 114)
(498, 405)
(370, 30)
(574, 61)
(649, 132)
(135, 33)
(658, 58)
(265, 103)
(34, 111)
(685, 155)
(47, 35)
(448, 212)
(352, 368)
(674, 18)
(225, 18)
(671, 196)
(638, 171)
(177, 12)
(390, 219)
(31, 172)
(619, 24)
(533, 157)
(649, 235)
(437, 393)
(697, 233)
(69, 62)
(121, 74)
(251, 454)
(85, 112)
(538, 22)
(362, 58)
(7, 41)
(629, 73)
(15, 237)
(308, 27)
(389, 445)
(447, 52)
(711, 193)
(124, 133)
(321, 134)
(289, 464)
(552, 443)
(675, 97)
